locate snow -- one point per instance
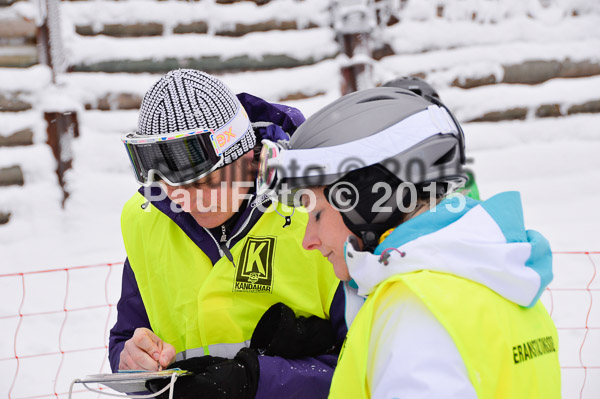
(490, 11)
(21, 9)
(462, 33)
(13, 122)
(310, 80)
(472, 103)
(552, 162)
(446, 65)
(89, 87)
(29, 79)
(553, 169)
(85, 50)
(171, 13)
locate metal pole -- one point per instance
(49, 39)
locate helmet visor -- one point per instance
(178, 158)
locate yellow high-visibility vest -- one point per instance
(204, 309)
(509, 351)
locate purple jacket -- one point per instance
(279, 377)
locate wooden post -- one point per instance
(62, 129)
(356, 75)
(354, 20)
(62, 126)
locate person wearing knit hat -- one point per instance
(186, 100)
(215, 132)
(207, 258)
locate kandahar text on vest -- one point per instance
(533, 349)
(255, 267)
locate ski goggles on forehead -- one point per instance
(183, 157)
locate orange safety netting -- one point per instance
(43, 303)
(22, 352)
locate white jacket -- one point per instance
(411, 355)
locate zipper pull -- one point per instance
(223, 234)
(227, 253)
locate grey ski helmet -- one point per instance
(414, 84)
(425, 90)
(368, 139)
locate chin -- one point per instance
(343, 277)
(341, 271)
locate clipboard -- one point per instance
(127, 381)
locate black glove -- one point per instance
(280, 333)
(214, 377)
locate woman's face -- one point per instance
(326, 231)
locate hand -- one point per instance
(145, 351)
(280, 333)
(215, 377)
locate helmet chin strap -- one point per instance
(370, 240)
(369, 233)
(370, 214)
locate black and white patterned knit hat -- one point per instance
(186, 99)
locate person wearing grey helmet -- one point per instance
(450, 285)
(425, 90)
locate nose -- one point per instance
(311, 237)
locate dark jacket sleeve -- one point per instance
(287, 118)
(305, 377)
(131, 314)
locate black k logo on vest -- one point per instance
(255, 267)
